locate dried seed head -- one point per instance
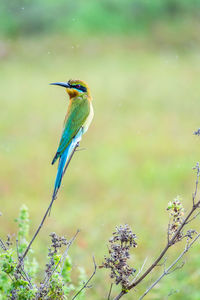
(176, 212)
(120, 243)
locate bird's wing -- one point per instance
(77, 115)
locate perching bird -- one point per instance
(77, 121)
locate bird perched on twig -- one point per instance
(77, 121)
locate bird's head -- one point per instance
(74, 87)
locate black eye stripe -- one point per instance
(79, 87)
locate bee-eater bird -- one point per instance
(77, 121)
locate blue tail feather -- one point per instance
(61, 166)
(63, 159)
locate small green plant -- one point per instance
(21, 282)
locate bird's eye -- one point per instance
(78, 86)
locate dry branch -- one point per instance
(176, 237)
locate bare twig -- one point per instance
(176, 268)
(2, 245)
(63, 258)
(195, 216)
(17, 247)
(122, 293)
(168, 231)
(70, 158)
(167, 271)
(86, 284)
(25, 275)
(163, 263)
(36, 233)
(110, 290)
(140, 271)
(196, 184)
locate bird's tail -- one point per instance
(63, 161)
(61, 166)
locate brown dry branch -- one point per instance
(175, 234)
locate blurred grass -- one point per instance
(140, 147)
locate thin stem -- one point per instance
(196, 183)
(25, 275)
(37, 231)
(2, 245)
(122, 293)
(17, 249)
(86, 284)
(110, 290)
(140, 270)
(193, 218)
(68, 162)
(63, 258)
(166, 271)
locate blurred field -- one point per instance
(140, 147)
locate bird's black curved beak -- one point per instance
(64, 84)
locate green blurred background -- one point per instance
(141, 60)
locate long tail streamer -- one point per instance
(64, 160)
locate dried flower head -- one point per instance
(176, 212)
(56, 243)
(120, 243)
